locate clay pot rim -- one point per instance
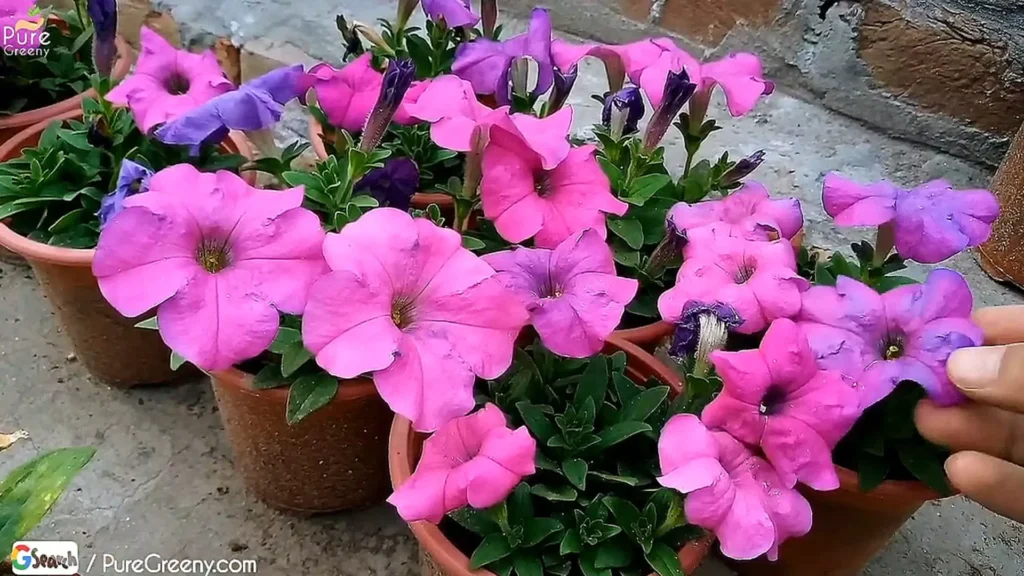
(74, 257)
(902, 490)
(646, 334)
(122, 66)
(452, 560)
(237, 378)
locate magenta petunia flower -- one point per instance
(408, 303)
(475, 460)
(167, 83)
(486, 63)
(455, 13)
(879, 340)
(450, 105)
(347, 95)
(757, 279)
(572, 293)
(775, 397)
(216, 257)
(732, 492)
(931, 223)
(748, 213)
(528, 194)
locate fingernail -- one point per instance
(975, 368)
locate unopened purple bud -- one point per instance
(405, 10)
(103, 14)
(397, 79)
(743, 168)
(563, 84)
(623, 111)
(489, 15)
(703, 328)
(678, 90)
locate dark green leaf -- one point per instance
(177, 361)
(925, 462)
(619, 432)
(570, 543)
(886, 283)
(148, 324)
(575, 470)
(539, 529)
(308, 394)
(644, 404)
(294, 357)
(593, 384)
(470, 243)
(528, 565)
(645, 187)
(872, 470)
(664, 560)
(494, 547)
(285, 338)
(616, 553)
(537, 422)
(474, 521)
(629, 230)
(625, 388)
(269, 377)
(624, 511)
(823, 276)
(558, 493)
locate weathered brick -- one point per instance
(949, 66)
(708, 21)
(638, 10)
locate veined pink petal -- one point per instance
(548, 137)
(853, 204)
(740, 76)
(850, 305)
(422, 496)
(787, 355)
(688, 455)
(944, 294)
(346, 95)
(579, 196)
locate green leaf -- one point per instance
(294, 357)
(528, 565)
(29, 491)
(619, 432)
(925, 462)
(625, 513)
(269, 377)
(645, 187)
(669, 507)
(664, 560)
(612, 171)
(644, 404)
(364, 201)
(575, 470)
(475, 521)
(536, 421)
(886, 283)
(613, 554)
(308, 394)
(560, 493)
(625, 388)
(593, 383)
(520, 505)
(69, 220)
(285, 338)
(571, 543)
(616, 478)
(539, 529)
(493, 548)
(177, 361)
(872, 470)
(76, 139)
(470, 243)
(148, 324)
(586, 563)
(629, 230)
(823, 276)
(627, 258)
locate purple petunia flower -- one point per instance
(743, 168)
(395, 84)
(931, 223)
(563, 84)
(879, 340)
(103, 14)
(677, 92)
(623, 111)
(393, 185)
(133, 179)
(486, 64)
(698, 318)
(255, 105)
(572, 293)
(455, 13)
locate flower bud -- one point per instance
(103, 14)
(743, 168)
(372, 37)
(702, 329)
(405, 10)
(678, 89)
(623, 111)
(489, 15)
(397, 79)
(563, 84)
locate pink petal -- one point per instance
(416, 90)
(577, 324)
(216, 321)
(787, 355)
(514, 450)
(746, 531)
(853, 204)
(548, 136)
(944, 294)
(422, 496)
(798, 453)
(733, 414)
(850, 306)
(739, 75)
(507, 191)
(347, 324)
(347, 95)
(427, 383)
(487, 482)
(688, 455)
(778, 292)
(789, 510)
(459, 441)
(745, 374)
(699, 281)
(932, 346)
(143, 259)
(826, 403)
(838, 349)
(882, 377)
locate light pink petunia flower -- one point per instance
(167, 83)
(451, 106)
(474, 460)
(216, 257)
(748, 213)
(574, 297)
(733, 493)
(757, 279)
(775, 397)
(408, 303)
(526, 196)
(346, 95)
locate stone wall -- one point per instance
(946, 73)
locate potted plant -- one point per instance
(540, 481)
(60, 182)
(40, 85)
(886, 337)
(1000, 255)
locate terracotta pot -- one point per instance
(438, 556)
(647, 337)
(333, 460)
(420, 200)
(108, 344)
(1002, 256)
(850, 528)
(11, 125)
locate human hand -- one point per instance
(986, 434)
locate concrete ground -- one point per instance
(162, 480)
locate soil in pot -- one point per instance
(442, 547)
(334, 459)
(109, 345)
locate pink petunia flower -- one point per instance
(879, 340)
(757, 279)
(408, 303)
(527, 195)
(451, 106)
(474, 460)
(216, 257)
(748, 213)
(455, 13)
(931, 223)
(732, 492)
(346, 95)
(775, 397)
(574, 297)
(167, 83)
